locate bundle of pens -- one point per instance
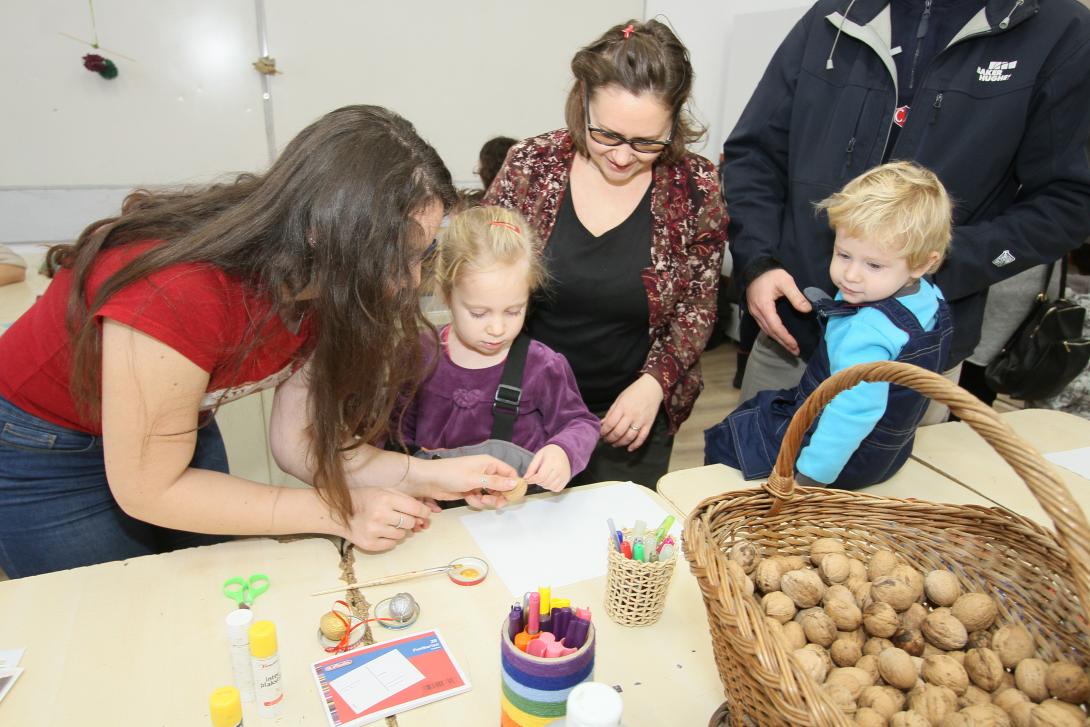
(546, 649)
(641, 563)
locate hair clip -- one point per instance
(629, 30)
(507, 225)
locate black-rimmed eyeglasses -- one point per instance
(610, 138)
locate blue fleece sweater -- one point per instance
(865, 337)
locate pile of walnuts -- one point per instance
(895, 647)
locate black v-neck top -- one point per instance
(594, 310)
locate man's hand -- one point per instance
(761, 297)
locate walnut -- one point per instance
(845, 652)
(823, 654)
(886, 701)
(794, 635)
(881, 563)
(943, 630)
(812, 663)
(1030, 676)
(1021, 714)
(834, 568)
(861, 591)
(976, 610)
(841, 697)
(837, 592)
(893, 591)
(846, 615)
(984, 668)
(778, 606)
(930, 649)
(1006, 699)
(1054, 713)
(974, 695)
(896, 667)
(1006, 681)
(879, 619)
(869, 664)
(804, 587)
(913, 616)
(944, 671)
(979, 640)
(792, 562)
(933, 702)
(984, 715)
(332, 626)
(867, 717)
(908, 719)
(857, 569)
(875, 646)
(856, 680)
(819, 628)
(822, 547)
(804, 612)
(1013, 643)
(766, 576)
(941, 587)
(911, 640)
(912, 577)
(739, 577)
(1067, 681)
(745, 554)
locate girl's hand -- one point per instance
(468, 477)
(549, 468)
(384, 517)
(629, 420)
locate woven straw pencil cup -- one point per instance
(635, 590)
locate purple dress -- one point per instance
(453, 407)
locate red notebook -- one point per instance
(367, 684)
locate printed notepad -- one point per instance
(367, 684)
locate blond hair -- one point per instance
(481, 237)
(901, 206)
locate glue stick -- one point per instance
(268, 687)
(238, 635)
(225, 708)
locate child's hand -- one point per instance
(549, 468)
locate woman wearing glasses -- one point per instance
(635, 229)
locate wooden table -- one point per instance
(685, 489)
(143, 641)
(959, 453)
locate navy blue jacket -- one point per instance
(1002, 115)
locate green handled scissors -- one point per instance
(244, 591)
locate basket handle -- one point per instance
(1072, 530)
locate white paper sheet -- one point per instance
(7, 679)
(1076, 460)
(378, 679)
(10, 657)
(559, 540)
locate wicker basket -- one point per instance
(1038, 579)
(635, 590)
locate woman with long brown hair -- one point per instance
(304, 278)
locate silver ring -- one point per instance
(635, 428)
(400, 520)
(483, 480)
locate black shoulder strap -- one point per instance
(505, 405)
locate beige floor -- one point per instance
(715, 402)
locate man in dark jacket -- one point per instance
(992, 95)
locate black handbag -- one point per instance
(1046, 352)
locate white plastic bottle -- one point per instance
(268, 685)
(238, 636)
(592, 704)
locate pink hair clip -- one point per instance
(628, 31)
(506, 225)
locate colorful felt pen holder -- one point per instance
(534, 689)
(636, 590)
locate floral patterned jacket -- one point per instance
(688, 236)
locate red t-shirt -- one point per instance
(197, 309)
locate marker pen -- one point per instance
(666, 552)
(626, 549)
(514, 621)
(664, 528)
(613, 533)
(637, 551)
(533, 614)
(561, 621)
(668, 540)
(545, 593)
(577, 633)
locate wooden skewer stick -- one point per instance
(386, 579)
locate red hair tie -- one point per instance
(506, 225)
(628, 31)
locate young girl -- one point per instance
(187, 300)
(892, 227)
(488, 264)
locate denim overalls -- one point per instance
(749, 438)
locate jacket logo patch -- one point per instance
(996, 71)
(1004, 258)
(900, 116)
